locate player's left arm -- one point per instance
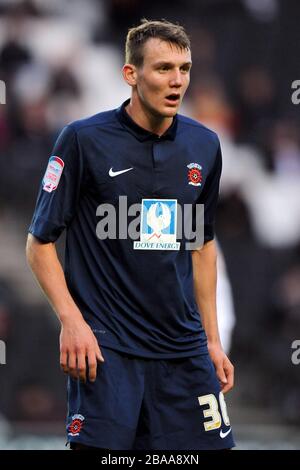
(205, 283)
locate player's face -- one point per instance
(163, 78)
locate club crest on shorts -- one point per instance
(158, 225)
(53, 173)
(75, 426)
(194, 174)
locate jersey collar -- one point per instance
(139, 132)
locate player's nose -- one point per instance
(176, 79)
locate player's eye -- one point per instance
(164, 68)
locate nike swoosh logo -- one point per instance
(116, 173)
(224, 434)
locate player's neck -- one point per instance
(146, 120)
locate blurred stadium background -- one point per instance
(61, 60)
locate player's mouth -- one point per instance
(173, 99)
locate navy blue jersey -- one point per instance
(138, 301)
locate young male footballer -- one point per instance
(139, 335)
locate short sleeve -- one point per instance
(60, 188)
(209, 196)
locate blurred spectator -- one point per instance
(12, 56)
(35, 402)
(211, 106)
(257, 104)
(286, 149)
(13, 53)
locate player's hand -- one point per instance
(79, 350)
(223, 366)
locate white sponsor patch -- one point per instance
(53, 173)
(158, 225)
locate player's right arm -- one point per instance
(78, 344)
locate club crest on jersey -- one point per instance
(53, 173)
(75, 426)
(158, 225)
(194, 174)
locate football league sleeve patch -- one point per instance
(60, 188)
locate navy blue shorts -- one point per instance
(149, 404)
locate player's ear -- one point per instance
(129, 74)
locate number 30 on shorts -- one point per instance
(213, 411)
